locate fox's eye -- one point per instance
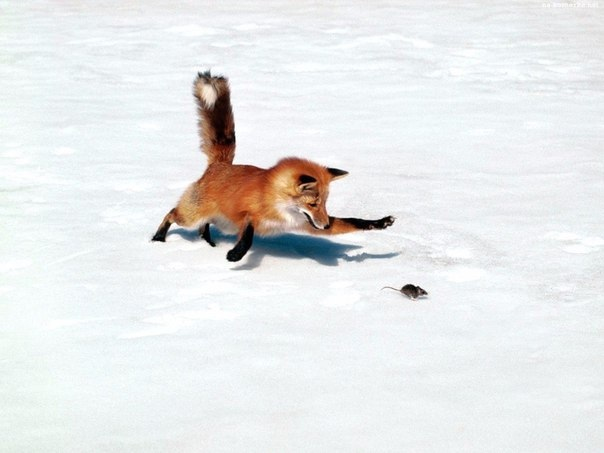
(312, 205)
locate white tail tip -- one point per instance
(209, 95)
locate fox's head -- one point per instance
(304, 187)
(312, 198)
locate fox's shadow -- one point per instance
(288, 245)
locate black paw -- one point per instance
(382, 223)
(208, 240)
(244, 244)
(234, 255)
(159, 238)
(205, 235)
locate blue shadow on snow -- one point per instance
(288, 245)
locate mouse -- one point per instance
(411, 291)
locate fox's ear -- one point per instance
(336, 174)
(306, 182)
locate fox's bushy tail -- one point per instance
(216, 122)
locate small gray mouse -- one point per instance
(411, 291)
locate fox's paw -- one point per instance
(362, 224)
(204, 232)
(158, 237)
(382, 223)
(234, 255)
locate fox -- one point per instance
(290, 196)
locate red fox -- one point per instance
(289, 196)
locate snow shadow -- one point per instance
(289, 245)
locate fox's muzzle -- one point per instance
(312, 222)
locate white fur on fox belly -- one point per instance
(291, 219)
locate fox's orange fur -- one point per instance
(289, 196)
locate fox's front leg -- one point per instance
(243, 245)
(339, 225)
(348, 224)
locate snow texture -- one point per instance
(479, 125)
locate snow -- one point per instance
(478, 125)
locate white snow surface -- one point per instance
(478, 125)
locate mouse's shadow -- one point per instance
(288, 245)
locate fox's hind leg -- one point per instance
(204, 232)
(190, 212)
(160, 234)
